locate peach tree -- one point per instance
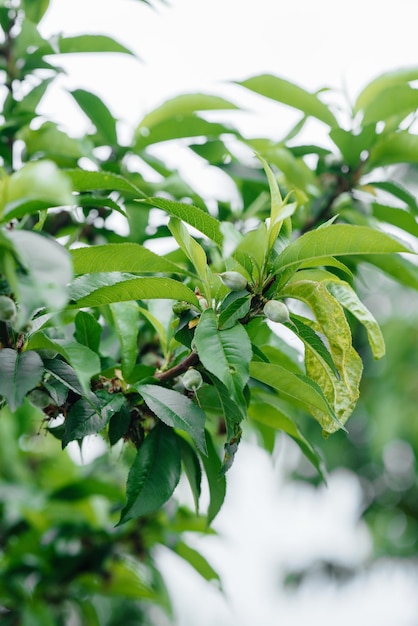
(171, 353)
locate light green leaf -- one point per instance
(46, 272)
(90, 43)
(178, 127)
(35, 9)
(197, 561)
(352, 145)
(121, 257)
(190, 247)
(266, 409)
(293, 387)
(349, 299)
(402, 270)
(224, 353)
(177, 411)
(183, 105)
(137, 289)
(310, 337)
(19, 373)
(337, 240)
(98, 113)
(398, 217)
(401, 147)
(288, 93)
(342, 393)
(398, 191)
(192, 215)
(154, 474)
(235, 306)
(126, 321)
(84, 180)
(389, 79)
(253, 248)
(394, 100)
(296, 172)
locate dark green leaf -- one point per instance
(87, 330)
(90, 415)
(119, 424)
(224, 353)
(216, 481)
(177, 411)
(154, 474)
(197, 561)
(192, 469)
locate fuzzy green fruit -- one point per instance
(233, 280)
(192, 380)
(276, 311)
(39, 398)
(7, 309)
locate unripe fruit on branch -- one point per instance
(39, 398)
(7, 309)
(192, 380)
(276, 311)
(233, 280)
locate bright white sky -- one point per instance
(197, 45)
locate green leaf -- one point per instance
(84, 180)
(309, 336)
(90, 43)
(35, 9)
(337, 240)
(46, 272)
(119, 424)
(183, 105)
(87, 330)
(65, 374)
(137, 289)
(296, 172)
(190, 247)
(401, 147)
(98, 113)
(294, 387)
(389, 79)
(85, 362)
(398, 191)
(192, 215)
(192, 469)
(402, 270)
(126, 321)
(235, 306)
(265, 409)
(178, 127)
(216, 481)
(278, 210)
(288, 93)
(51, 143)
(154, 474)
(89, 416)
(394, 100)
(224, 353)
(121, 257)
(398, 217)
(351, 145)
(19, 373)
(342, 393)
(31, 100)
(349, 299)
(177, 411)
(197, 561)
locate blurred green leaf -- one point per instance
(98, 113)
(288, 93)
(19, 373)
